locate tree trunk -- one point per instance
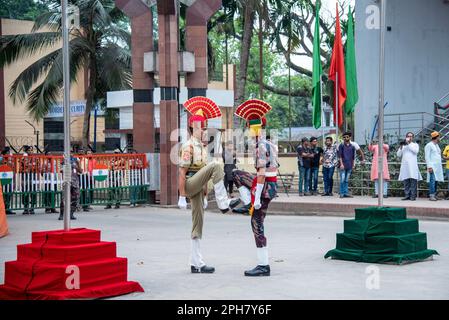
(90, 94)
(249, 17)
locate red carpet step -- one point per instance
(67, 265)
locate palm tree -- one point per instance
(99, 46)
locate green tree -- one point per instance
(23, 9)
(99, 46)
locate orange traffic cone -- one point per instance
(3, 221)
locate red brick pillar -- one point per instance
(198, 15)
(143, 83)
(168, 77)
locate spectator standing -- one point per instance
(304, 163)
(374, 148)
(230, 160)
(434, 165)
(6, 158)
(346, 155)
(74, 190)
(446, 157)
(329, 161)
(29, 166)
(317, 153)
(409, 171)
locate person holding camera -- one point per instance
(409, 172)
(434, 165)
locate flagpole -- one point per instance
(336, 105)
(67, 170)
(383, 5)
(322, 110)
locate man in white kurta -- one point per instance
(409, 172)
(434, 165)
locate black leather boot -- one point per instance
(203, 269)
(243, 209)
(72, 217)
(259, 271)
(61, 215)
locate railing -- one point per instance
(36, 181)
(421, 123)
(360, 182)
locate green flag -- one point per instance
(351, 68)
(317, 71)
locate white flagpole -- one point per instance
(383, 5)
(66, 103)
(322, 109)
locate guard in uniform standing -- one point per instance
(257, 190)
(195, 173)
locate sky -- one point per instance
(328, 13)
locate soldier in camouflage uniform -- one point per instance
(74, 190)
(195, 173)
(257, 190)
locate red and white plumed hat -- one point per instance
(253, 111)
(201, 109)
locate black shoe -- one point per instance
(117, 206)
(47, 210)
(203, 269)
(108, 207)
(72, 217)
(26, 211)
(10, 212)
(347, 196)
(54, 211)
(61, 216)
(243, 209)
(32, 211)
(85, 209)
(234, 203)
(412, 199)
(406, 198)
(258, 271)
(375, 196)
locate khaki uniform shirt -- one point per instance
(193, 155)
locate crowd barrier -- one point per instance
(36, 181)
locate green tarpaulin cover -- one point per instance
(381, 235)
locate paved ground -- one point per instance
(156, 242)
(293, 204)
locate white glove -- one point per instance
(205, 204)
(259, 189)
(182, 203)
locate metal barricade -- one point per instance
(37, 180)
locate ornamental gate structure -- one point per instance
(168, 62)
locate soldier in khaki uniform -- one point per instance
(194, 174)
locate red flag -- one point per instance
(338, 67)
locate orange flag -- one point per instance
(3, 221)
(338, 67)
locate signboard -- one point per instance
(77, 108)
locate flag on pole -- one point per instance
(338, 67)
(317, 71)
(351, 68)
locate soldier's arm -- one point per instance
(182, 181)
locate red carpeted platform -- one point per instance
(56, 261)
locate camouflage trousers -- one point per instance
(74, 199)
(245, 179)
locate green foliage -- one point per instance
(22, 9)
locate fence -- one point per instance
(360, 182)
(36, 181)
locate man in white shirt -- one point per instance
(434, 165)
(409, 172)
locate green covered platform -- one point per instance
(381, 235)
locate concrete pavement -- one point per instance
(156, 243)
